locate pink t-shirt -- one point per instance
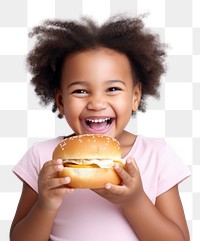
(84, 215)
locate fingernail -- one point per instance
(60, 167)
(59, 161)
(108, 186)
(116, 166)
(67, 179)
(129, 161)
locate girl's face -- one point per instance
(97, 94)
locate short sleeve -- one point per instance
(28, 168)
(173, 170)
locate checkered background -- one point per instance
(174, 117)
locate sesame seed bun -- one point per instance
(88, 160)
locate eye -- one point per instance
(80, 91)
(114, 89)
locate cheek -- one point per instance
(123, 105)
(73, 107)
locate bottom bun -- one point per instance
(90, 177)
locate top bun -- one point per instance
(88, 146)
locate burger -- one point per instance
(88, 160)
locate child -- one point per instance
(97, 77)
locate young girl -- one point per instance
(97, 77)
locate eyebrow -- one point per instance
(85, 83)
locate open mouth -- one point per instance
(98, 125)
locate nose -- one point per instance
(97, 103)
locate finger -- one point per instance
(124, 175)
(56, 182)
(131, 166)
(115, 189)
(52, 163)
(50, 168)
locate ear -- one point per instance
(59, 101)
(137, 92)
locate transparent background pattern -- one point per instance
(175, 117)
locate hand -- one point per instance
(130, 188)
(51, 188)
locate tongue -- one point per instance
(98, 126)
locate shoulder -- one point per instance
(160, 165)
(40, 152)
(144, 145)
(47, 144)
(149, 141)
(157, 149)
(32, 161)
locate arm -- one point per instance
(31, 222)
(35, 213)
(165, 221)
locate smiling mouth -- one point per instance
(97, 121)
(99, 125)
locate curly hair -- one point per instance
(55, 39)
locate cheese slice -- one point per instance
(92, 163)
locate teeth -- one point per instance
(98, 120)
